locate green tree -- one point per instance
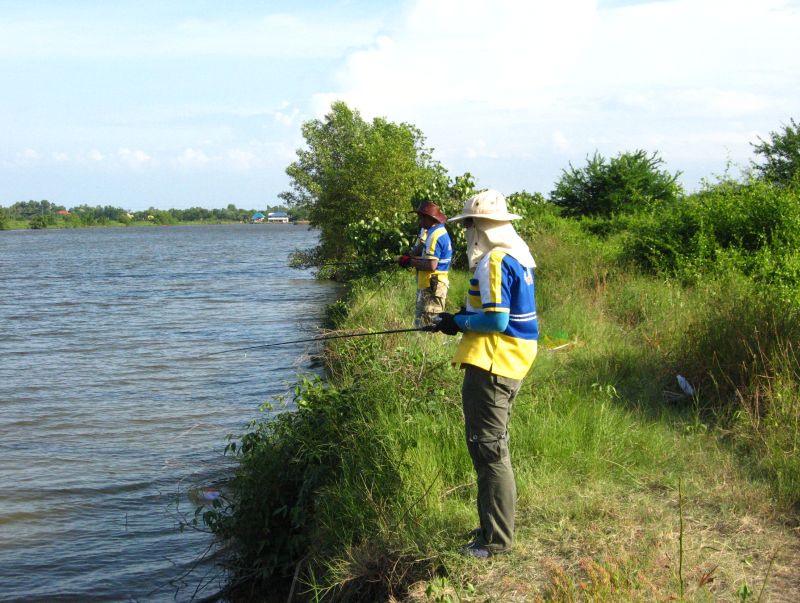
(161, 216)
(25, 210)
(449, 194)
(38, 222)
(230, 213)
(781, 155)
(353, 169)
(87, 215)
(297, 213)
(624, 184)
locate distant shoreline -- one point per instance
(25, 225)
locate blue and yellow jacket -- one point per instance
(501, 284)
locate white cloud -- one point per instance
(469, 54)
(257, 155)
(59, 156)
(287, 119)
(479, 148)
(28, 155)
(561, 142)
(531, 77)
(722, 103)
(134, 159)
(510, 90)
(241, 159)
(192, 158)
(92, 36)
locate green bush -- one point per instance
(285, 461)
(537, 213)
(374, 241)
(450, 195)
(628, 182)
(753, 227)
(738, 348)
(323, 477)
(377, 240)
(38, 222)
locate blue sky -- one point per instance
(178, 104)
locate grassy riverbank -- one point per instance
(627, 491)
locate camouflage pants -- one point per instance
(430, 302)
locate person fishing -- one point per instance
(497, 348)
(431, 257)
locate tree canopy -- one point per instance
(626, 183)
(780, 155)
(353, 169)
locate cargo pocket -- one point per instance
(487, 448)
(505, 390)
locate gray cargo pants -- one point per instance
(487, 401)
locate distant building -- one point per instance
(278, 217)
(63, 212)
(257, 217)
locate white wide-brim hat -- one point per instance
(489, 205)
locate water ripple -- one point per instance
(111, 416)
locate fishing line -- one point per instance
(323, 338)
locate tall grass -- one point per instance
(363, 489)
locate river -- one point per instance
(112, 422)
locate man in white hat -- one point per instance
(498, 346)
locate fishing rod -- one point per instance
(323, 338)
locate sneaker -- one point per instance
(473, 536)
(476, 551)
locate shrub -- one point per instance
(753, 227)
(284, 462)
(377, 240)
(535, 210)
(374, 241)
(627, 183)
(38, 222)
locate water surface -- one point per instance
(111, 422)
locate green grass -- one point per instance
(366, 491)
(9, 224)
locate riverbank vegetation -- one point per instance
(44, 214)
(656, 441)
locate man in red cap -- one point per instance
(431, 257)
